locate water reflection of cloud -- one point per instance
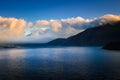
(16, 53)
(16, 63)
(3, 53)
(52, 60)
(50, 53)
(84, 63)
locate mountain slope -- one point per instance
(112, 46)
(96, 36)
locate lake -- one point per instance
(67, 63)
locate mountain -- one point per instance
(112, 46)
(97, 36)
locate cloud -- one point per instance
(12, 25)
(56, 25)
(42, 23)
(110, 17)
(13, 29)
(77, 23)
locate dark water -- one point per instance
(72, 63)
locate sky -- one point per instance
(45, 20)
(32, 10)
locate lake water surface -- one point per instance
(67, 63)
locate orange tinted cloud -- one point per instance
(13, 29)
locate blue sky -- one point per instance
(32, 10)
(44, 20)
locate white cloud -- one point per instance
(42, 23)
(12, 29)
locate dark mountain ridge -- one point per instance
(97, 36)
(112, 46)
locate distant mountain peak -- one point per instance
(97, 36)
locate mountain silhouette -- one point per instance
(112, 46)
(97, 36)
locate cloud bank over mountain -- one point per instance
(19, 30)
